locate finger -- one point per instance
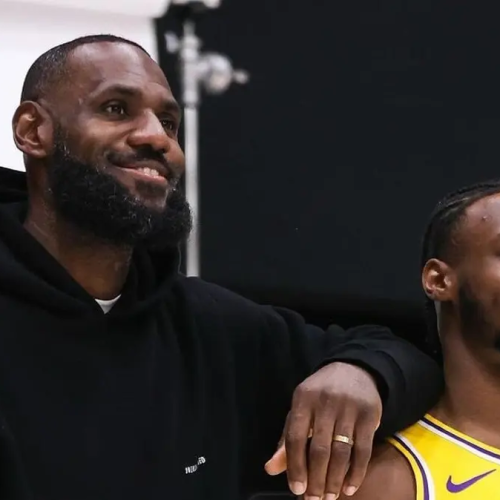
(340, 458)
(361, 454)
(319, 455)
(277, 464)
(296, 436)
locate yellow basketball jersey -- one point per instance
(448, 464)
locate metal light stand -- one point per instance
(215, 73)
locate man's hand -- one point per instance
(337, 404)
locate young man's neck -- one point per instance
(99, 267)
(471, 402)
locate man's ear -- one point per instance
(32, 128)
(439, 281)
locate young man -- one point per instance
(119, 377)
(454, 452)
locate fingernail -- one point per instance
(331, 496)
(313, 498)
(350, 490)
(298, 488)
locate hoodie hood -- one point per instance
(31, 274)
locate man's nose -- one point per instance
(150, 132)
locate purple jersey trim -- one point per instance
(419, 464)
(461, 439)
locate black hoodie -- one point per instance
(180, 391)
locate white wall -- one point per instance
(30, 27)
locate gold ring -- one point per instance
(343, 439)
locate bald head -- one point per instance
(51, 67)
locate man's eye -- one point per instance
(169, 124)
(115, 109)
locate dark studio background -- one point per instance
(318, 177)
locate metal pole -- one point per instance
(192, 191)
(216, 74)
(189, 57)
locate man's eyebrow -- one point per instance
(170, 105)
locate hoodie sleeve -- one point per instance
(409, 381)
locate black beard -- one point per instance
(97, 204)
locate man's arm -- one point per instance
(272, 354)
(409, 383)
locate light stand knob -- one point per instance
(216, 73)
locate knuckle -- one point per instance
(319, 452)
(365, 408)
(302, 392)
(292, 439)
(327, 397)
(341, 451)
(363, 448)
(362, 405)
(369, 419)
(361, 462)
(366, 427)
(368, 408)
(366, 421)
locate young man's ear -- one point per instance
(439, 281)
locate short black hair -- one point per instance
(437, 242)
(49, 68)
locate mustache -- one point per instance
(145, 153)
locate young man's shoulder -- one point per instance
(389, 476)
